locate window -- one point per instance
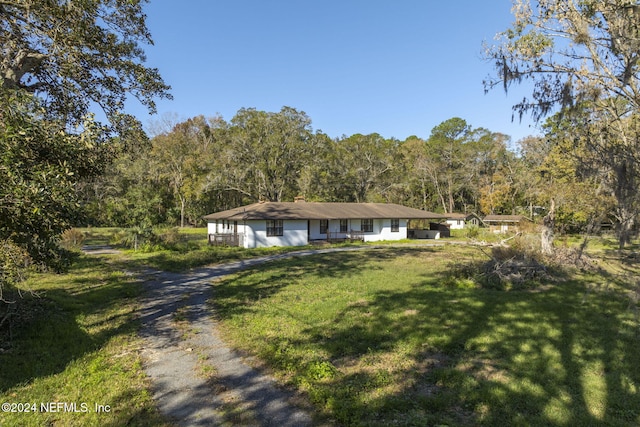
(395, 225)
(366, 225)
(324, 225)
(343, 225)
(274, 227)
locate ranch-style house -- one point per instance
(300, 223)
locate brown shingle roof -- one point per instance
(313, 210)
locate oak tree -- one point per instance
(60, 61)
(77, 56)
(581, 54)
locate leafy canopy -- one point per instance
(77, 55)
(40, 165)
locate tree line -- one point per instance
(206, 164)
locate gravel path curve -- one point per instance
(197, 379)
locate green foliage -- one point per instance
(472, 232)
(77, 54)
(150, 240)
(40, 165)
(592, 81)
(14, 263)
(72, 239)
(135, 238)
(74, 56)
(266, 152)
(182, 158)
(204, 165)
(320, 370)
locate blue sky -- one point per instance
(397, 68)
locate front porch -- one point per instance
(350, 236)
(226, 239)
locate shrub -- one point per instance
(169, 238)
(133, 238)
(15, 263)
(150, 240)
(472, 232)
(72, 239)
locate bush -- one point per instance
(72, 239)
(133, 238)
(149, 240)
(15, 263)
(472, 232)
(169, 238)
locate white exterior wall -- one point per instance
(223, 227)
(294, 234)
(334, 227)
(295, 231)
(314, 233)
(382, 230)
(455, 224)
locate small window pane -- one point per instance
(274, 227)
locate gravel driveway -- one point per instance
(197, 379)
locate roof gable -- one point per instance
(465, 216)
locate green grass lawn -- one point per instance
(190, 251)
(379, 338)
(76, 343)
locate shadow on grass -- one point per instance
(46, 340)
(239, 298)
(564, 356)
(176, 261)
(510, 358)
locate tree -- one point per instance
(489, 173)
(445, 146)
(417, 161)
(265, 153)
(78, 55)
(60, 60)
(368, 161)
(323, 179)
(40, 165)
(581, 54)
(570, 173)
(182, 157)
(559, 172)
(130, 193)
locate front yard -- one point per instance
(385, 337)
